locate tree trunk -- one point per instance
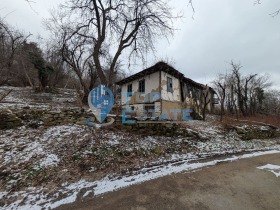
(26, 74)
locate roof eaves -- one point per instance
(160, 66)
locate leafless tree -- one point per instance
(110, 27)
(76, 53)
(256, 90)
(220, 84)
(10, 42)
(241, 93)
(241, 87)
(238, 85)
(271, 103)
(53, 58)
(205, 100)
(247, 81)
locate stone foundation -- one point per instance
(34, 118)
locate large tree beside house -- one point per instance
(100, 31)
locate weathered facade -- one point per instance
(162, 89)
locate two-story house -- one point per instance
(163, 89)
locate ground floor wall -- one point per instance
(163, 109)
(144, 110)
(174, 109)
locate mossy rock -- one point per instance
(255, 133)
(157, 150)
(9, 120)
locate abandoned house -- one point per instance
(164, 89)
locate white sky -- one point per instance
(221, 31)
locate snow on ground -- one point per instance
(49, 160)
(61, 152)
(50, 166)
(26, 97)
(272, 168)
(70, 192)
(74, 148)
(27, 143)
(213, 140)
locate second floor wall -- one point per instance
(159, 86)
(142, 90)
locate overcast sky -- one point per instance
(221, 31)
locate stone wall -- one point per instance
(8, 119)
(34, 118)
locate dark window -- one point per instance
(169, 85)
(129, 88)
(142, 85)
(150, 111)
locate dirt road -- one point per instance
(235, 185)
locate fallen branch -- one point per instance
(5, 95)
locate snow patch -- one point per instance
(113, 141)
(107, 185)
(50, 160)
(272, 168)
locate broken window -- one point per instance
(129, 88)
(142, 85)
(169, 85)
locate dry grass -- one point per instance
(252, 120)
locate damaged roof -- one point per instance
(160, 66)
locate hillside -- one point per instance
(50, 157)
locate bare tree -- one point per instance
(11, 41)
(76, 53)
(54, 59)
(247, 80)
(221, 85)
(241, 93)
(206, 99)
(241, 87)
(110, 27)
(238, 86)
(256, 92)
(271, 103)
